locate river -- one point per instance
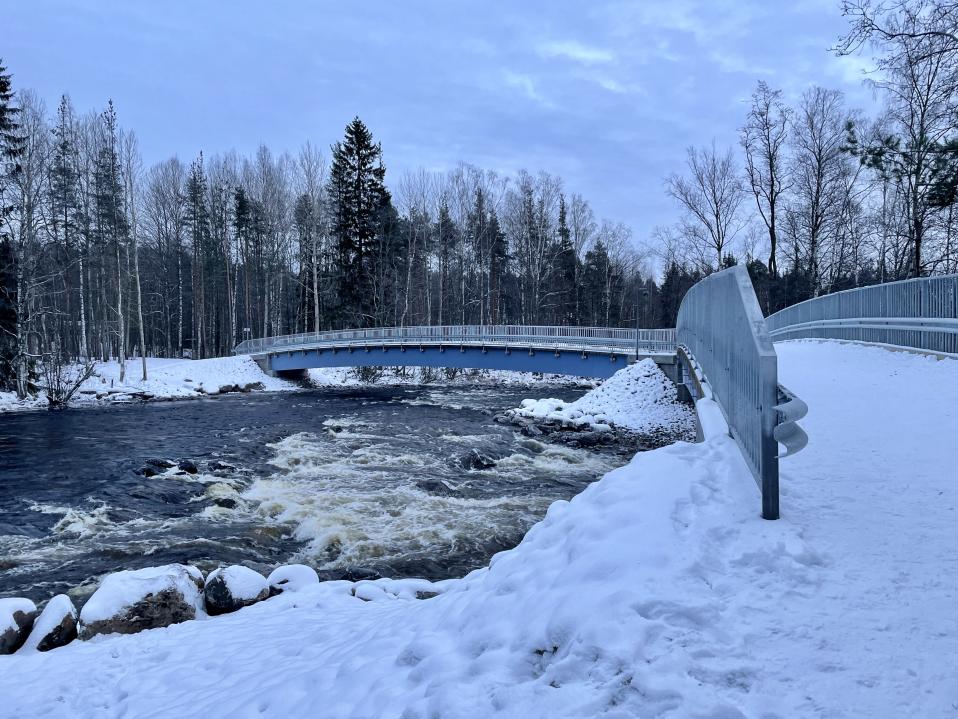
(355, 482)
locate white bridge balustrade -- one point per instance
(604, 339)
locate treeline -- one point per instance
(827, 199)
(102, 258)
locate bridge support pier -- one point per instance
(293, 375)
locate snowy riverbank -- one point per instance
(656, 591)
(638, 398)
(171, 379)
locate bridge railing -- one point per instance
(920, 313)
(722, 328)
(585, 338)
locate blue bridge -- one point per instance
(579, 351)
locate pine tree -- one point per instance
(198, 227)
(64, 210)
(11, 148)
(566, 271)
(359, 201)
(498, 264)
(447, 238)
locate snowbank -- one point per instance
(171, 379)
(639, 398)
(657, 591)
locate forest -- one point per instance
(102, 257)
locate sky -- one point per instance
(605, 94)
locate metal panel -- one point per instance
(920, 314)
(722, 327)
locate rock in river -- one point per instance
(232, 588)
(291, 578)
(131, 601)
(16, 619)
(56, 626)
(475, 459)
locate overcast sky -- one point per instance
(605, 94)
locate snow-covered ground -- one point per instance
(656, 591)
(639, 398)
(169, 379)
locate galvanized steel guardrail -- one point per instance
(920, 314)
(722, 328)
(593, 339)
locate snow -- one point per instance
(292, 577)
(639, 398)
(657, 591)
(121, 590)
(242, 582)
(51, 616)
(9, 607)
(174, 379)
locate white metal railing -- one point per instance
(601, 339)
(721, 325)
(920, 313)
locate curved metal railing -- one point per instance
(596, 339)
(721, 325)
(920, 314)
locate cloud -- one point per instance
(577, 52)
(526, 84)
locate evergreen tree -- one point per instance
(11, 147)
(498, 264)
(359, 203)
(198, 228)
(447, 238)
(566, 272)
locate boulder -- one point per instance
(159, 463)
(16, 620)
(55, 627)
(475, 459)
(358, 574)
(530, 430)
(435, 486)
(231, 588)
(291, 578)
(188, 466)
(217, 466)
(131, 601)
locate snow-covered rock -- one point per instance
(131, 601)
(55, 627)
(16, 619)
(231, 588)
(638, 398)
(291, 578)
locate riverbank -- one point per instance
(173, 379)
(658, 590)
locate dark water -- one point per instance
(348, 481)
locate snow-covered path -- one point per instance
(658, 591)
(875, 495)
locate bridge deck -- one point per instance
(581, 351)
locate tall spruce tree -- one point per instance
(11, 148)
(359, 203)
(566, 272)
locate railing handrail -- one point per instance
(721, 325)
(623, 339)
(920, 313)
